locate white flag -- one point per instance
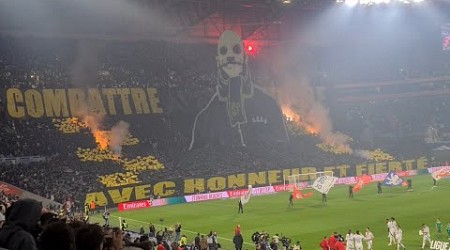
(246, 197)
(324, 183)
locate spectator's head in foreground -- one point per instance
(89, 237)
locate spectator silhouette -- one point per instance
(21, 218)
(57, 236)
(89, 237)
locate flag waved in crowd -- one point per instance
(392, 179)
(298, 194)
(245, 198)
(324, 183)
(361, 181)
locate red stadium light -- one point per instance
(250, 48)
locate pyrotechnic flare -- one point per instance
(93, 123)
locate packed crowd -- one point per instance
(184, 75)
(26, 227)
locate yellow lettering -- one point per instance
(307, 170)
(142, 192)
(274, 176)
(118, 197)
(95, 102)
(370, 168)
(154, 100)
(216, 183)
(395, 166)
(343, 170)
(259, 178)
(361, 169)
(422, 163)
(236, 180)
(295, 171)
(164, 188)
(77, 101)
(381, 168)
(98, 197)
(409, 164)
(110, 100)
(124, 93)
(34, 104)
(55, 102)
(286, 173)
(13, 98)
(190, 185)
(330, 168)
(140, 101)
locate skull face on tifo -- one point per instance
(230, 54)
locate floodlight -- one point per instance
(351, 2)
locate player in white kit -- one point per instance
(392, 226)
(349, 241)
(369, 238)
(358, 240)
(399, 237)
(425, 233)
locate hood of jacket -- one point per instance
(24, 214)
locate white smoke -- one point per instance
(297, 93)
(118, 135)
(365, 154)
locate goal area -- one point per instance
(303, 181)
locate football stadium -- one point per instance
(224, 124)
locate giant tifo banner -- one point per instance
(227, 184)
(135, 142)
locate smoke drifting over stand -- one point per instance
(84, 70)
(301, 103)
(102, 19)
(84, 73)
(118, 135)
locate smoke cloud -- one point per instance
(118, 19)
(118, 135)
(365, 154)
(112, 139)
(84, 70)
(297, 94)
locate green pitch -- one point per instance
(310, 219)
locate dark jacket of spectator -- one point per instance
(238, 241)
(21, 217)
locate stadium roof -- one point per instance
(150, 19)
(268, 21)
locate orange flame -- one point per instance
(337, 141)
(291, 115)
(310, 129)
(101, 137)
